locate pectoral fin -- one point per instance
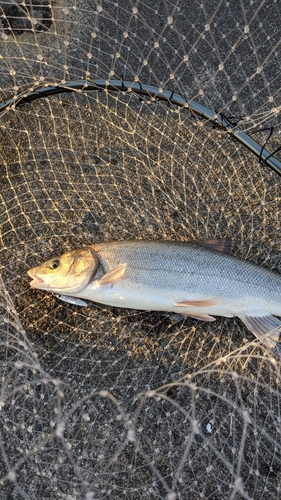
(71, 300)
(265, 327)
(113, 276)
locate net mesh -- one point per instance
(101, 402)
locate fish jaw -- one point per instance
(40, 282)
(37, 281)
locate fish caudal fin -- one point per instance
(266, 328)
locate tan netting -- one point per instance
(100, 402)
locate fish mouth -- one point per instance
(35, 281)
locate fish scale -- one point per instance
(190, 278)
(181, 264)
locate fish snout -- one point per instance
(36, 280)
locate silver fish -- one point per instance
(194, 279)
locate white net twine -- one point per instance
(106, 403)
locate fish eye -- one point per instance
(55, 264)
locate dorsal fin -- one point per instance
(223, 245)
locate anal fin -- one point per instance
(265, 327)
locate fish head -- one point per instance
(70, 273)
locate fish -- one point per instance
(198, 279)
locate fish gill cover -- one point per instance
(99, 402)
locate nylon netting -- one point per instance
(101, 402)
